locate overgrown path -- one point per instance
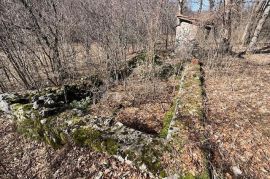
(238, 92)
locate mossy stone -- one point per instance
(151, 158)
(92, 138)
(86, 136)
(167, 120)
(111, 146)
(203, 175)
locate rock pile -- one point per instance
(54, 116)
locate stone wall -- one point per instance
(54, 116)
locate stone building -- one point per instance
(187, 30)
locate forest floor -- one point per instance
(238, 113)
(238, 125)
(139, 103)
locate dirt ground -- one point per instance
(238, 105)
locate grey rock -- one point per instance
(6, 100)
(78, 112)
(36, 105)
(4, 106)
(41, 98)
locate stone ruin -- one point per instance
(56, 117)
(186, 32)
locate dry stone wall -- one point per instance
(55, 116)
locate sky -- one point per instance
(195, 5)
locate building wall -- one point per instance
(185, 36)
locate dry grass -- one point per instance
(138, 103)
(238, 92)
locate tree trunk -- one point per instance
(180, 6)
(253, 20)
(259, 27)
(211, 4)
(201, 6)
(227, 27)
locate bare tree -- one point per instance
(181, 6)
(225, 43)
(211, 4)
(47, 42)
(259, 26)
(253, 19)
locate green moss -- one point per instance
(82, 135)
(29, 124)
(177, 87)
(195, 81)
(111, 146)
(23, 107)
(129, 154)
(192, 106)
(92, 138)
(151, 158)
(95, 144)
(187, 176)
(77, 121)
(30, 128)
(53, 136)
(26, 124)
(167, 120)
(63, 137)
(203, 175)
(162, 174)
(193, 102)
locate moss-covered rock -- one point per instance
(30, 123)
(188, 123)
(82, 104)
(93, 138)
(151, 158)
(105, 134)
(203, 175)
(168, 119)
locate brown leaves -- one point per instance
(238, 118)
